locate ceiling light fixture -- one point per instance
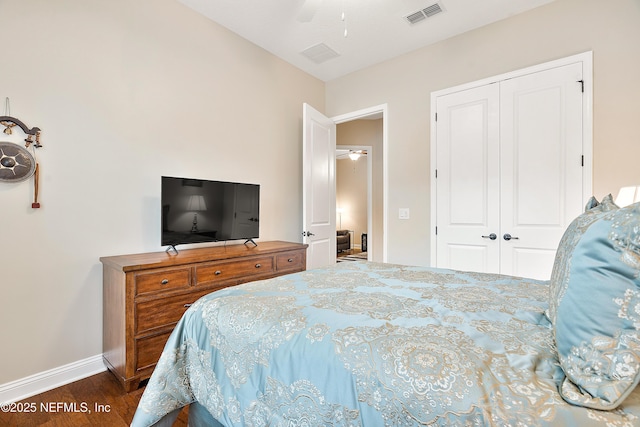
(354, 155)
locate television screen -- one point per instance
(198, 211)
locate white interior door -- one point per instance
(510, 175)
(541, 167)
(319, 186)
(468, 169)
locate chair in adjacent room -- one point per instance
(343, 240)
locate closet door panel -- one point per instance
(468, 180)
(541, 171)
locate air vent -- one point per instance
(423, 14)
(416, 17)
(320, 53)
(434, 9)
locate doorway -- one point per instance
(354, 191)
(367, 130)
(319, 192)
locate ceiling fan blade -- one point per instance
(308, 10)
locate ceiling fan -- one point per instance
(308, 10)
(310, 7)
(350, 154)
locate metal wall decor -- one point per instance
(17, 163)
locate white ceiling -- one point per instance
(377, 30)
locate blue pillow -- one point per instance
(575, 230)
(597, 325)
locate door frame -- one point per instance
(586, 58)
(381, 109)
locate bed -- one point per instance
(372, 344)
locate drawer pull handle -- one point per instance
(258, 265)
(187, 305)
(218, 272)
(290, 260)
(164, 281)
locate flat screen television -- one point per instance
(200, 211)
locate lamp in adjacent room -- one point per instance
(628, 195)
(196, 204)
(339, 211)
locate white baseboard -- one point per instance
(48, 380)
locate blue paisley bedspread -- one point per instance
(369, 344)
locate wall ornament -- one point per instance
(18, 163)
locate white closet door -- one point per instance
(467, 196)
(509, 165)
(541, 166)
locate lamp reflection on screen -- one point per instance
(628, 195)
(196, 204)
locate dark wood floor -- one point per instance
(98, 400)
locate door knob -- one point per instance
(508, 236)
(491, 236)
(307, 233)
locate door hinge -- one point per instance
(436, 173)
(436, 230)
(582, 161)
(581, 85)
(436, 117)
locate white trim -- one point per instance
(586, 58)
(587, 127)
(48, 380)
(367, 112)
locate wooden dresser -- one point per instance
(144, 295)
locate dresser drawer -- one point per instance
(161, 312)
(149, 350)
(219, 272)
(290, 261)
(162, 280)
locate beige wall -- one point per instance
(351, 183)
(124, 92)
(559, 29)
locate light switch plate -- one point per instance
(403, 213)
